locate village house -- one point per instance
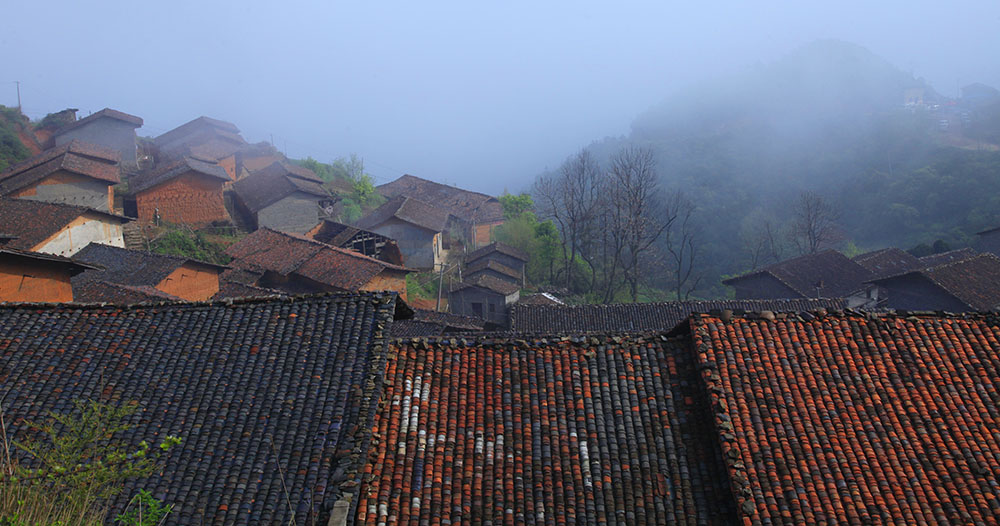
(420, 230)
(58, 229)
(498, 260)
(252, 157)
(33, 277)
(109, 128)
(206, 138)
(186, 191)
(366, 242)
(155, 275)
(483, 297)
(477, 214)
(75, 173)
(959, 286)
(283, 197)
(827, 274)
(295, 264)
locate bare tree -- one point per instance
(762, 239)
(573, 198)
(814, 226)
(636, 215)
(682, 244)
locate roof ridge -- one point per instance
(287, 298)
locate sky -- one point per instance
(485, 95)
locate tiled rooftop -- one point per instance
(496, 247)
(33, 222)
(262, 189)
(77, 157)
(131, 267)
(176, 168)
(857, 419)
(827, 274)
(887, 262)
(587, 431)
(466, 205)
(272, 398)
(106, 113)
(643, 317)
(407, 209)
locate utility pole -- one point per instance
(437, 306)
(18, 82)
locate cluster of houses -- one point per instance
(93, 179)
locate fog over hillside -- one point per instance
(482, 96)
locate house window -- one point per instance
(493, 308)
(477, 308)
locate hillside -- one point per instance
(830, 118)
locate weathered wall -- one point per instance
(493, 273)
(484, 233)
(492, 306)
(82, 231)
(918, 293)
(34, 283)
(297, 213)
(191, 282)
(71, 189)
(763, 287)
(229, 164)
(418, 245)
(388, 280)
(110, 133)
(189, 199)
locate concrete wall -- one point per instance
(109, 133)
(388, 280)
(71, 189)
(297, 213)
(34, 283)
(188, 199)
(81, 232)
(763, 287)
(492, 307)
(191, 282)
(420, 247)
(918, 293)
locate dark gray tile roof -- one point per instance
(273, 399)
(496, 247)
(887, 261)
(827, 274)
(32, 222)
(177, 168)
(410, 210)
(106, 113)
(643, 317)
(131, 267)
(466, 205)
(974, 281)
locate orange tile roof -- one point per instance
(857, 418)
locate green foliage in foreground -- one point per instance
(76, 465)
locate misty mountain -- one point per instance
(829, 117)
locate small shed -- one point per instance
(75, 173)
(187, 191)
(483, 297)
(283, 197)
(34, 277)
(156, 274)
(109, 128)
(371, 244)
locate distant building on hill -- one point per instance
(75, 173)
(419, 228)
(205, 138)
(282, 196)
(57, 229)
(186, 191)
(109, 128)
(477, 215)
